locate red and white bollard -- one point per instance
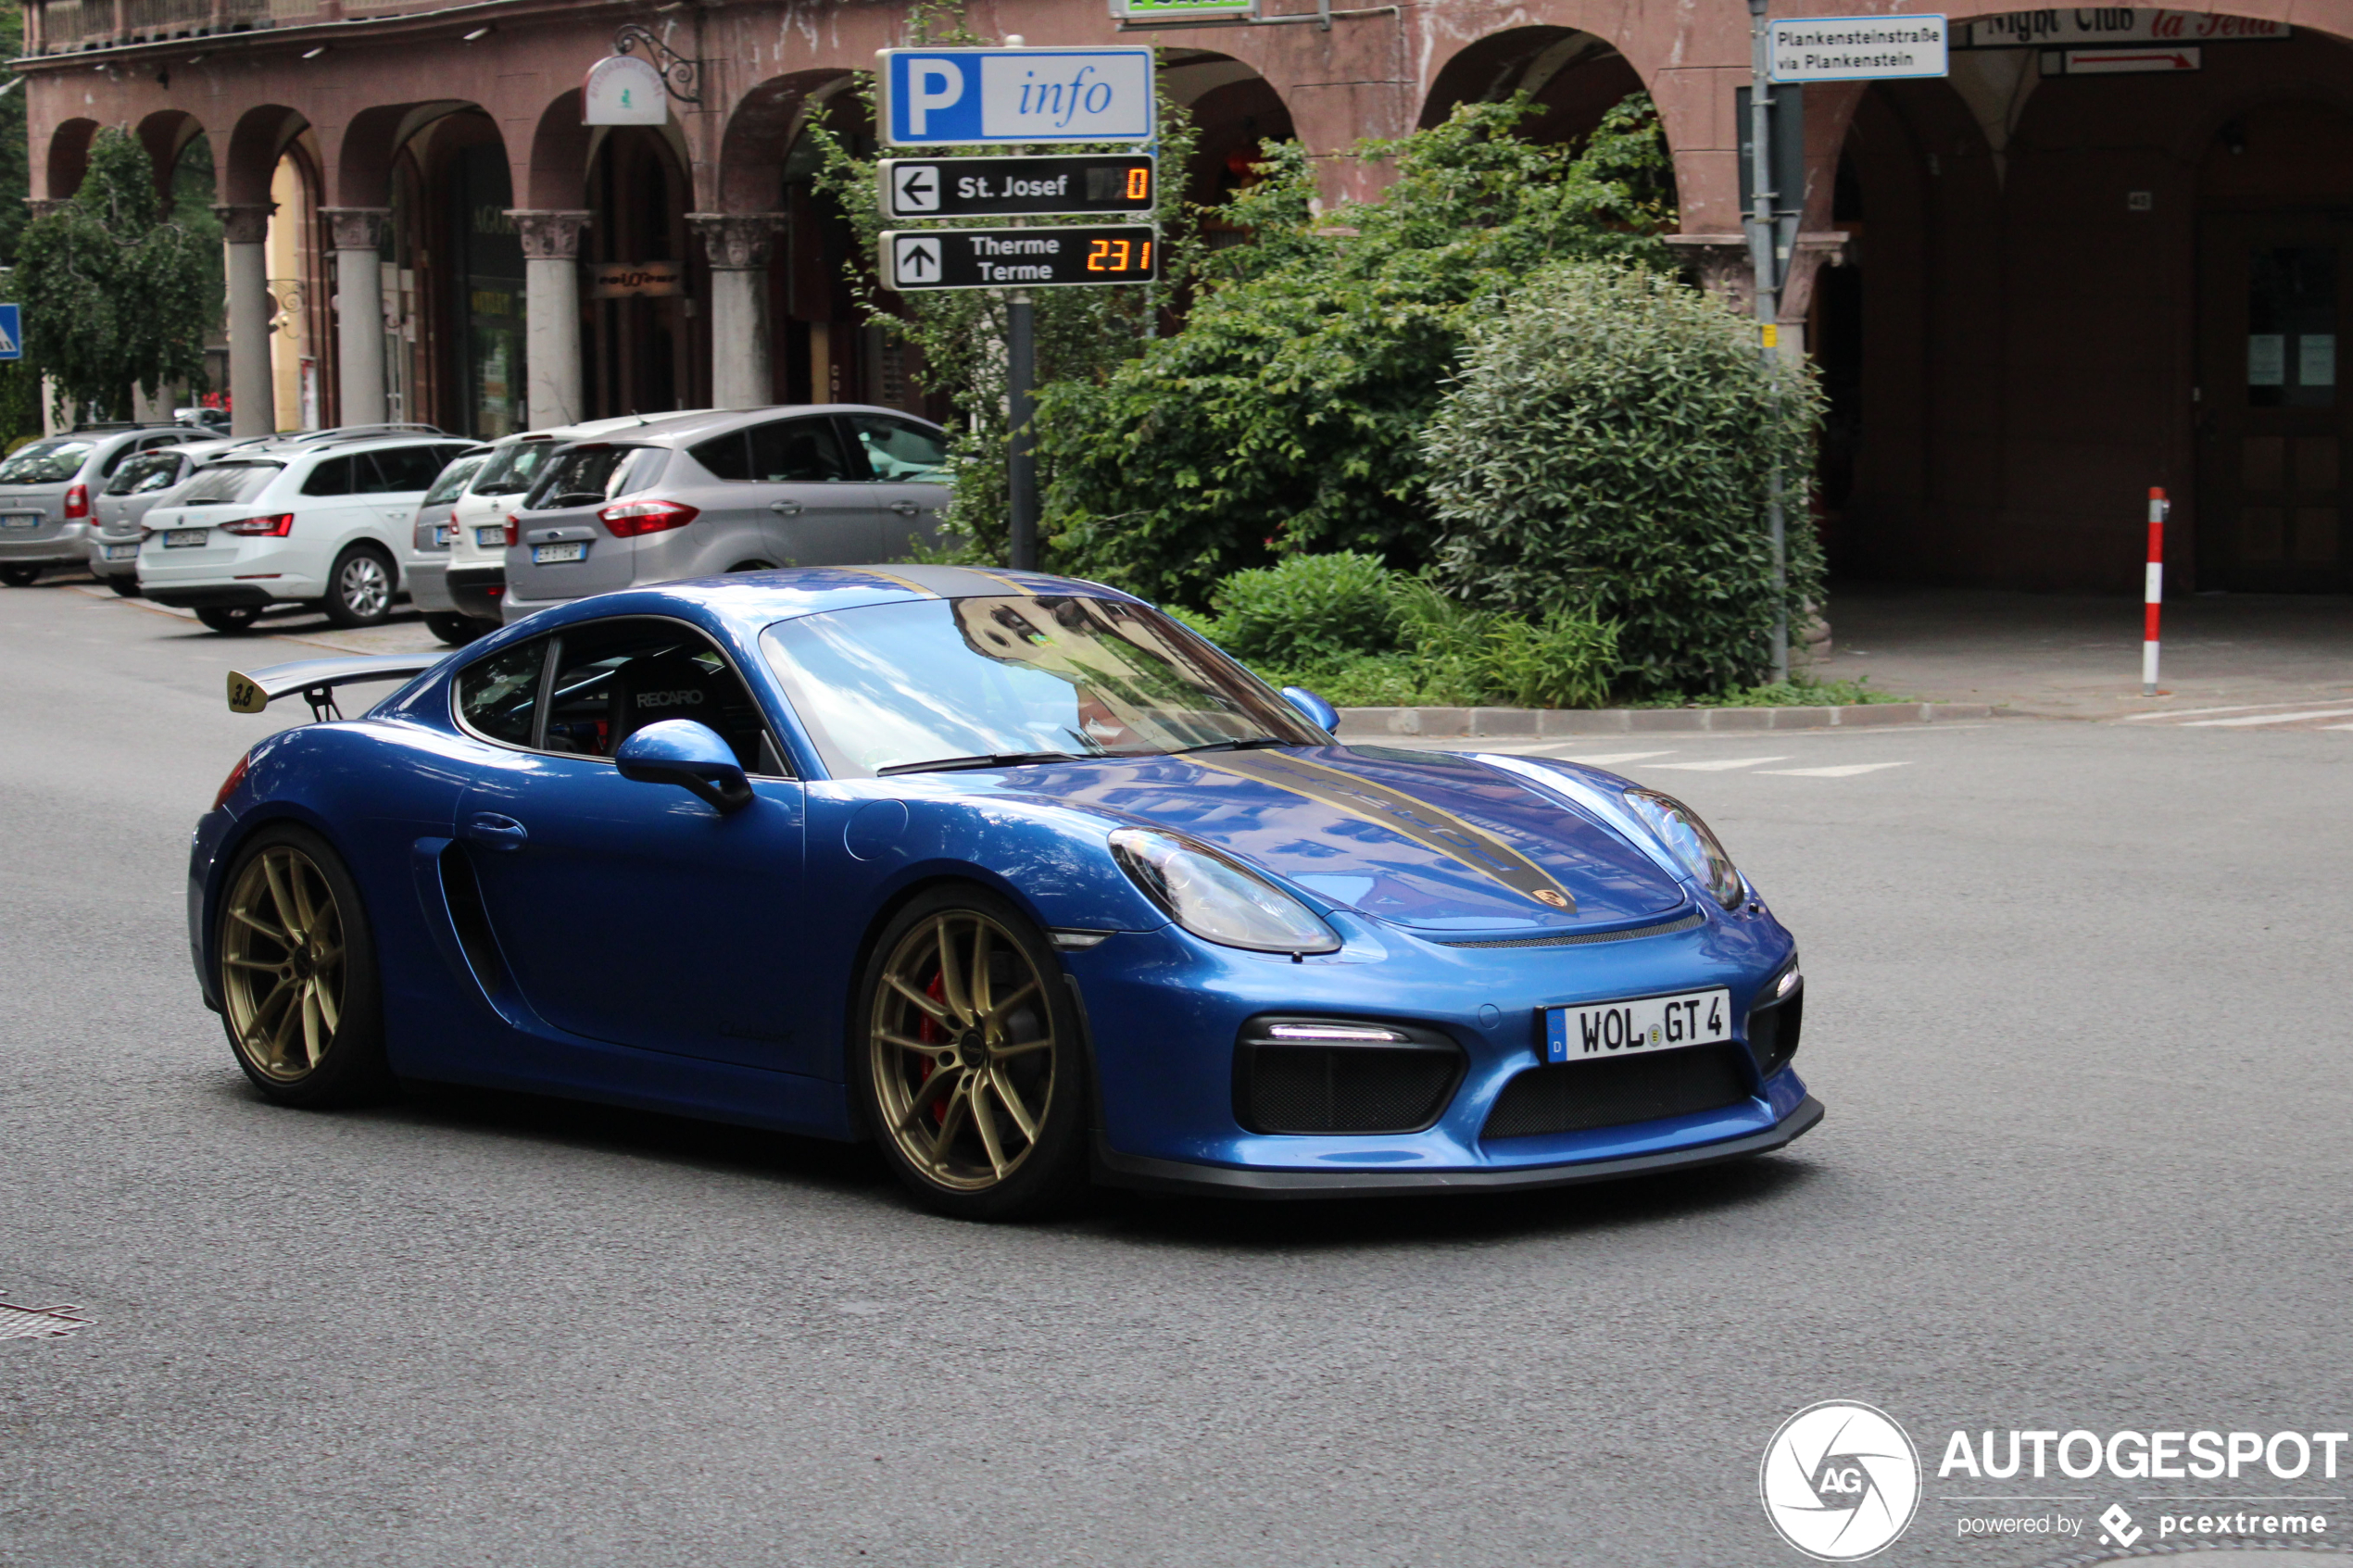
(2156, 590)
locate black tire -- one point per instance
(360, 587)
(127, 585)
(231, 619)
(750, 566)
(945, 1098)
(319, 998)
(19, 576)
(454, 629)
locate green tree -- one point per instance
(116, 293)
(1286, 415)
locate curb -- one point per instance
(1543, 722)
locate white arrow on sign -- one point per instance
(915, 187)
(915, 259)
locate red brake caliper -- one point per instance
(929, 1031)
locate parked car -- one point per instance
(211, 421)
(47, 489)
(309, 521)
(478, 539)
(142, 483)
(1014, 875)
(427, 567)
(738, 491)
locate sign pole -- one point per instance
(1021, 460)
(1761, 235)
(2153, 594)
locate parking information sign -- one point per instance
(1858, 48)
(1004, 259)
(11, 332)
(1015, 187)
(944, 98)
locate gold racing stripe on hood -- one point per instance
(1402, 814)
(894, 577)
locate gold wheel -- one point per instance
(282, 968)
(962, 1051)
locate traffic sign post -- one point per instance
(1006, 258)
(1073, 186)
(11, 331)
(958, 96)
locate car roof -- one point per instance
(718, 422)
(286, 451)
(748, 601)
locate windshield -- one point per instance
(889, 687)
(151, 471)
(452, 483)
(228, 481)
(46, 462)
(511, 469)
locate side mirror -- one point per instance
(1322, 714)
(681, 752)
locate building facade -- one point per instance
(2110, 251)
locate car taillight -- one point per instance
(77, 502)
(275, 527)
(229, 786)
(626, 519)
(513, 536)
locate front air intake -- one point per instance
(1341, 1076)
(1578, 1097)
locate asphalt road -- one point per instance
(2077, 1007)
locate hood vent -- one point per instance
(1585, 938)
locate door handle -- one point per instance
(494, 832)
(905, 508)
(784, 508)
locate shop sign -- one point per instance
(2029, 30)
(624, 90)
(634, 279)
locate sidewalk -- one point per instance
(2070, 656)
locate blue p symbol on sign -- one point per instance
(11, 332)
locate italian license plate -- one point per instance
(441, 536)
(1644, 1024)
(122, 552)
(542, 554)
(21, 519)
(495, 539)
(185, 538)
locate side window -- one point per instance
(332, 477)
(499, 696)
(796, 451)
(163, 473)
(727, 457)
(399, 470)
(615, 677)
(114, 460)
(896, 450)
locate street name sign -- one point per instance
(11, 331)
(1858, 48)
(1072, 185)
(948, 97)
(1010, 258)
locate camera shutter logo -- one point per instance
(1841, 1481)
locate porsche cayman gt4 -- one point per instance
(1012, 875)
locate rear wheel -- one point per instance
(967, 1062)
(297, 973)
(127, 585)
(360, 589)
(19, 576)
(454, 630)
(231, 618)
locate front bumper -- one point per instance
(69, 545)
(429, 583)
(1143, 1173)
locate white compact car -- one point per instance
(477, 571)
(315, 522)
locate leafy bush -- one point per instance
(1285, 416)
(1307, 608)
(1604, 453)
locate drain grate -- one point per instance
(39, 1322)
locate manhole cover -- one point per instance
(39, 1322)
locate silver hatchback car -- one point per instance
(46, 490)
(698, 494)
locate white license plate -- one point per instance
(495, 539)
(185, 538)
(542, 554)
(122, 552)
(23, 519)
(1643, 1023)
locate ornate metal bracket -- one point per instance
(681, 77)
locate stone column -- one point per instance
(551, 314)
(738, 243)
(359, 234)
(252, 393)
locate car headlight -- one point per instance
(1214, 899)
(1683, 835)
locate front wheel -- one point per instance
(297, 973)
(231, 619)
(967, 1060)
(19, 576)
(454, 630)
(360, 587)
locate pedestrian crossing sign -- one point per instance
(11, 332)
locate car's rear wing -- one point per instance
(317, 679)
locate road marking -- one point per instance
(1606, 758)
(2185, 712)
(2337, 726)
(1843, 771)
(2266, 719)
(1722, 765)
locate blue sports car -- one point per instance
(1011, 874)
